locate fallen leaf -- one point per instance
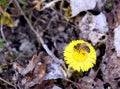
(67, 13)
(37, 4)
(96, 37)
(30, 66)
(92, 22)
(5, 19)
(117, 40)
(94, 27)
(81, 5)
(56, 87)
(37, 76)
(53, 72)
(40, 70)
(18, 67)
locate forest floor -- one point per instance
(34, 34)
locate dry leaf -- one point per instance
(95, 37)
(78, 6)
(67, 13)
(30, 66)
(38, 5)
(117, 40)
(5, 19)
(56, 87)
(38, 74)
(92, 22)
(40, 70)
(94, 27)
(54, 72)
(18, 67)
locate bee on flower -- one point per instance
(80, 47)
(80, 55)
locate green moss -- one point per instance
(109, 4)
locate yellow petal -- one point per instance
(80, 55)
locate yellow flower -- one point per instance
(80, 55)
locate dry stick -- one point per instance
(77, 85)
(7, 82)
(40, 40)
(61, 5)
(1, 26)
(2, 33)
(49, 4)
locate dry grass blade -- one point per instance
(8, 82)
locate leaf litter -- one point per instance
(31, 56)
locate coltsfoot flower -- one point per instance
(80, 55)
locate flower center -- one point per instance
(80, 55)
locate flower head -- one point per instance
(80, 55)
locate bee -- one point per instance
(83, 46)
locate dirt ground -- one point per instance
(31, 51)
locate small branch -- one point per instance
(7, 82)
(1, 26)
(1, 10)
(2, 33)
(96, 73)
(50, 4)
(61, 5)
(77, 85)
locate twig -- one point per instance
(7, 82)
(1, 10)
(61, 5)
(40, 40)
(96, 73)
(1, 26)
(2, 33)
(49, 4)
(77, 85)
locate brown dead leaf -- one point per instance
(45, 84)
(30, 66)
(18, 67)
(37, 5)
(34, 72)
(36, 77)
(40, 70)
(45, 58)
(116, 68)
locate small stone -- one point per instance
(27, 47)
